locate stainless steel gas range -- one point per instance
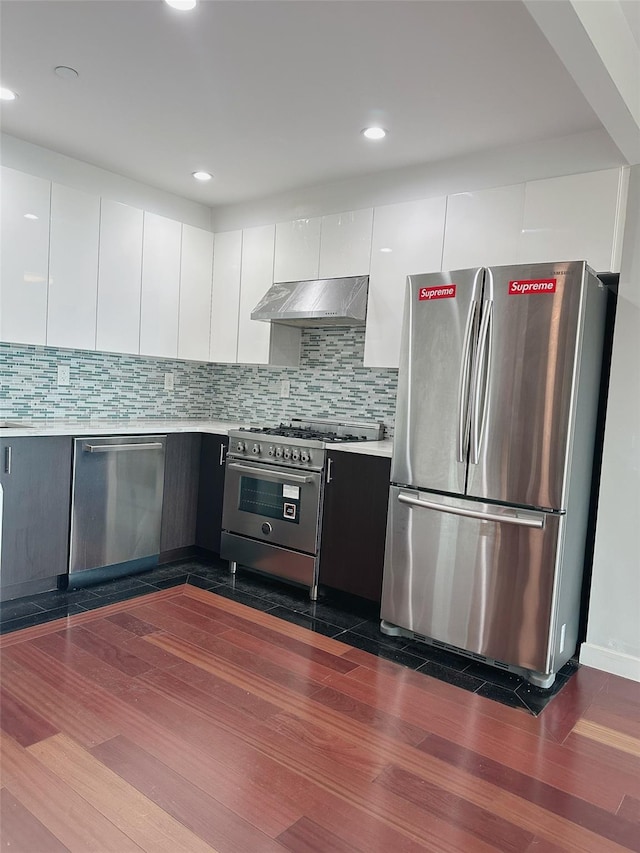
(273, 495)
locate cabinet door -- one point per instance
(195, 293)
(254, 336)
(345, 243)
(180, 496)
(160, 286)
(575, 218)
(483, 228)
(35, 475)
(227, 259)
(119, 278)
(297, 256)
(24, 269)
(73, 268)
(210, 494)
(354, 523)
(407, 239)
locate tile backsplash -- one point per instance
(330, 382)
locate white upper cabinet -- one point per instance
(345, 244)
(161, 246)
(25, 257)
(483, 228)
(575, 217)
(119, 278)
(407, 239)
(227, 259)
(195, 293)
(73, 268)
(254, 336)
(297, 255)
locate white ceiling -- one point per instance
(270, 95)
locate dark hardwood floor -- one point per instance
(186, 721)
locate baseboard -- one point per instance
(611, 661)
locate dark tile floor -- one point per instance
(349, 619)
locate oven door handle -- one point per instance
(266, 474)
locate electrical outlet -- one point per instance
(285, 388)
(64, 377)
(168, 382)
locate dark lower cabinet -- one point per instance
(209, 517)
(35, 475)
(180, 497)
(354, 523)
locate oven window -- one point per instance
(273, 500)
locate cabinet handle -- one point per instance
(222, 449)
(7, 459)
(329, 464)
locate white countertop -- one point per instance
(148, 426)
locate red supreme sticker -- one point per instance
(445, 291)
(527, 286)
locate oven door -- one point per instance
(276, 505)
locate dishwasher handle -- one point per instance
(108, 448)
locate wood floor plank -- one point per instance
(610, 737)
(269, 635)
(132, 623)
(226, 656)
(130, 644)
(630, 810)
(544, 759)
(61, 696)
(317, 667)
(502, 834)
(13, 637)
(551, 799)
(137, 816)
(22, 722)
(257, 617)
(305, 836)
(107, 652)
(58, 807)
(188, 804)
(21, 832)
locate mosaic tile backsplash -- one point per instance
(330, 382)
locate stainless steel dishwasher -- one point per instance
(116, 506)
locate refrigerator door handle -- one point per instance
(536, 522)
(481, 375)
(464, 381)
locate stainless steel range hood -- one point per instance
(320, 302)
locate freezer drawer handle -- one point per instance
(537, 523)
(108, 448)
(265, 474)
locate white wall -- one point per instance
(613, 628)
(567, 155)
(35, 160)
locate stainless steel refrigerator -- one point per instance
(493, 446)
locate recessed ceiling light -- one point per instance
(374, 132)
(30, 216)
(181, 5)
(386, 249)
(7, 94)
(66, 72)
(202, 176)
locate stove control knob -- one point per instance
(304, 456)
(255, 448)
(295, 454)
(279, 452)
(240, 446)
(271, 451)
(287, 453)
